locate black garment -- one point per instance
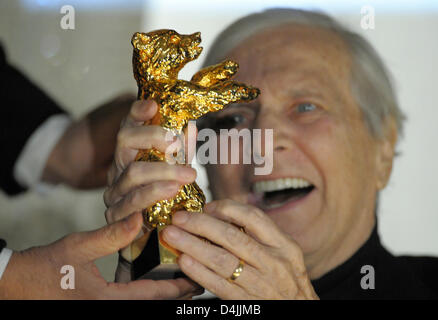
(395, 277)
(23, 108)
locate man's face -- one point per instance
(320, 136)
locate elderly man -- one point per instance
(327, 97)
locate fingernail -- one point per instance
(210, 207)
(187, 173)
(171, 186)
(186, 260)
(153, 105)
(180, 217)
(131, 222)
(148, 106)
(143, 106)
(171, 233)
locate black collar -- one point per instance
(347, 275)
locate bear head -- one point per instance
(164, 53)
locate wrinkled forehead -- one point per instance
(292, 47)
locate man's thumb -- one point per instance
(111, 238)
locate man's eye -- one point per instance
(305, 107)
(229, 121)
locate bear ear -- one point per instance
(139, 40)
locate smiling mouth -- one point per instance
(271, 194)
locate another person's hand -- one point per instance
(134, 186)
(273, 265)
(83, 155)
(36, 273)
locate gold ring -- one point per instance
(237, 272)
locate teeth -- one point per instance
(280, 184)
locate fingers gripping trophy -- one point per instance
(157, 59)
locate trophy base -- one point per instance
(157, 261)
(163, 272)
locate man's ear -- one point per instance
(385, 153)
(139, 40)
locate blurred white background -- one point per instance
(83, 67)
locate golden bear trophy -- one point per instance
(157, 59)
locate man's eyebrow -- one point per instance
(298, 93)
(212, 115)
(255, 104)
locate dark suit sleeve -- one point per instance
(23, 108)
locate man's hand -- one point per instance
(273, 262)
(35, 273)
(159, 180)
(84, 153)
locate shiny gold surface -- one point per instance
(157, 59)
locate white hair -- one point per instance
(370, 81)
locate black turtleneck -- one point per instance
(395, 277)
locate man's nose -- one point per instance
(280, 127)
